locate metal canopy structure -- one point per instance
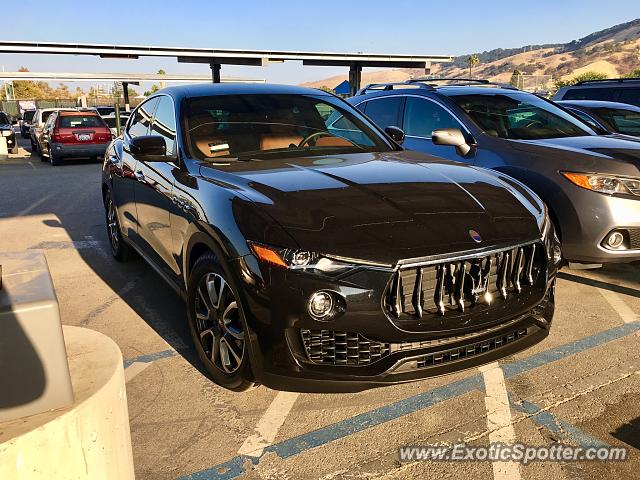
(215, 58)
(119, 77)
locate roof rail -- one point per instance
(389, 86)
(448, 79)
(462, 82)
(604, 80)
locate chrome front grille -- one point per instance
(341, 348)
(452, 288)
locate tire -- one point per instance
(54, 160)
(120, 250)
(218, 328)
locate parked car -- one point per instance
(316, 258)
(590, 182)
(104, 110)
(25, 123)
(111, 122)
(606, 117)
(35, 130)
(621, 90)
(6, 131)
(74, 134)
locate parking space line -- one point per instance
(149, 357)
(321, 436)
(134, 369)
(499, 419)
(561, 428)
(268, 426)
(622, 309)
(34, 205)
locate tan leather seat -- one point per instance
(333, 142)
(273, 141)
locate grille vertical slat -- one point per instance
(453, 288)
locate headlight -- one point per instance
(6, 133)
(298, 259)
(609, 184)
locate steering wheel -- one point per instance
(314, 136)
(534, 122)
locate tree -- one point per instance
(583, 77)
(473, 60)
(154, 88)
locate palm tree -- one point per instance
(473, 61)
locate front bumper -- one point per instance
(584, 231)
(282, 334)
(79, 150)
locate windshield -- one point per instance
(621, 120)
(3, 119)
(520, 116)
(80, 121)
(28, 115)
(259, 126)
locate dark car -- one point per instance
(321, 258)
(607, 117)
(25, 123)
(72, 134)
(6, 131)
(621, 90)
(590, 182)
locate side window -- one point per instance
(50, 120)
(422, 117)
(164, 123)
(584, 117)
(385, 112)
(606, 94)
(142, 119)
(630, 96)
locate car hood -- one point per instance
(383, 207)
(599, 151)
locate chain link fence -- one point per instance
(14, 108)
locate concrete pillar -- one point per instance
(87, 440)
(355, 78)
(4, 151)
(215, 72)
(125, 91)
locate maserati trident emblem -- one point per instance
(475, 236)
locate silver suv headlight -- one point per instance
(603, 183)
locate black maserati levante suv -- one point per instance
(313, 252)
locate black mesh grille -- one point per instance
(634, 238)
(449, 289)
(452, 355)
(341, 348)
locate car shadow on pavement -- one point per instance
(134, 282)
(629, 433)
(592, 282)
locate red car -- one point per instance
(74, 134)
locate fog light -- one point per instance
(320, 304)
(615, 240)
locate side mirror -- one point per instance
(453, 137)
(151, 148)
(396, 134)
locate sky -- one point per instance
(400, 26)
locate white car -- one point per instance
(111, 122)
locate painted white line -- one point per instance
(134, 369)
(33, 206)
(32, 165)
(617, 303)
(268, 426)
(499, 422)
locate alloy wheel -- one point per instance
(112, 225)
(218, 323)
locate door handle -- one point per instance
(139, 176)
